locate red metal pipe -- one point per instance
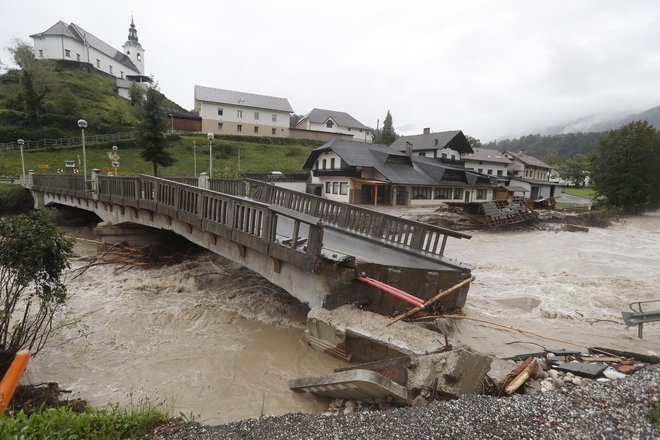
(411, 299)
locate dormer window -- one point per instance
(138, 56)
(329, 124)
(128, 52)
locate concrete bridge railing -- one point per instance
(248, 223)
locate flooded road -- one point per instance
(210, 338)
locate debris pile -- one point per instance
(548, 371)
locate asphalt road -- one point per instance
(569, 198)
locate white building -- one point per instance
(70, 42)
(239, 113)
(331, 121)
(490, 162)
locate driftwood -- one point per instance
(433, 300)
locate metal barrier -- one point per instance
(639, 317)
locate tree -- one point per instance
(474, 142)
(294, 119)
(33, 255)
(135, 94)
(387, 135)
(153, 126)
(625, 167)
(35, 77)
(575, 170)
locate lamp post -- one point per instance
(194, 159)
(83, 125)
(210, 136)
(20, 144)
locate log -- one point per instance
(521, 377)
(433, 300)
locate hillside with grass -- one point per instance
(68, 94)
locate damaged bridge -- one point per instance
(311, 247)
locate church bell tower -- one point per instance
(133, 49)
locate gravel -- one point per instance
(604, 410)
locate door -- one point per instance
(467, 196)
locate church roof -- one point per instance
(84, 37)
(244, 99)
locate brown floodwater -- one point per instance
(210, 338)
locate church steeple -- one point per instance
(132, 32)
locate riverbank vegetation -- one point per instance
(113, 422)
(13, 198)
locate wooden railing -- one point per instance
(387, 228)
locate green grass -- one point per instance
(589, 193)
(255, 158)
(63, 423)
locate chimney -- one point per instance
(409, 148)
(427, 130)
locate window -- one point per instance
(349, 128)
(121, 74)
(481, 194)
(273, 118)
(422, 154)
(360, 130)
(480, 170)
(128, 52)
(138, 56)
(41, 53)
(273, 131)
(239, 113)
(239, 128)
(329, 124)
(256, 130)
(67, 53)
(453, 157)
(421, 193)
(443, 193)
(77, 57)
(444, 155)
(328, 187)
(256, 116)
(98, 63)
(220, 126)
(220, 111)
(325, 164)
(499, 172)
(343, 188)
(458, 194)
(110, 67)
(490, 172)
(335, 187)
(332, 163)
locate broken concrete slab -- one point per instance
(589, 370)
(500, 369)
(458, 372)
(353, 384)
(351, 333)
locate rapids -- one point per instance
(210, 338)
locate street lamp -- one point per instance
(83, 125)
(20, 144)
(210, 136)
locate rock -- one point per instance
(603, 379)
(500, 369)
(554, 374)
(611, 373)
(419, 401)
(547, 385)
(629, 369)
(558, 383)
(532, 387)
(576, 381)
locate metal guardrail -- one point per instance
(66, 142)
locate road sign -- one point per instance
(114, 157)
(70, 163)
(43, 166)
(115, 163)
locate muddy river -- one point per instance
(209, 338)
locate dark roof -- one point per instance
(454, 139)
(321, 116)
(395, 166)
(486, 155)
(529, 160)
(81, 35)
(244, 99)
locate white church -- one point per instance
(70, 42)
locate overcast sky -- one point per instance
(493, 69)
